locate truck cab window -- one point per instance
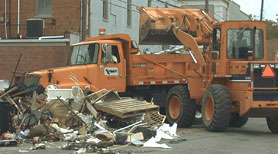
(110, 54)
(84, 54)
(240, 41)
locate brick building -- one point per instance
(36, 54)
(24, 21)
(57, 16)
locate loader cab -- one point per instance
(237, 41)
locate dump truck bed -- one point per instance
(159, 69)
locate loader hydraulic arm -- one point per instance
(191, 45)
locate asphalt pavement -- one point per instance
(253, 138)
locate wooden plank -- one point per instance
(126, 108)
(9, 91)
(130, 108)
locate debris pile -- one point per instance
(89, 123)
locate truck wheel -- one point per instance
(216, 108)
(237, 121)
(272, 123)
(180, 108)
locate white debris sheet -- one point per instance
(164, 132)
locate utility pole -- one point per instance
(262, 9)
(207, 6)
(84, 20)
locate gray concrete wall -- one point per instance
(117, 17)
(235, 12)
(222, 9)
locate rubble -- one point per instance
(88, 123)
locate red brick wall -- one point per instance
(33, 58)
(66, 17)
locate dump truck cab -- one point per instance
(93, 65)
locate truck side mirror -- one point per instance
(104, 47)
(134, 45)
(107, 53)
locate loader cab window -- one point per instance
(84, 54)
(216, 39)
(110, 54)
(240, 41)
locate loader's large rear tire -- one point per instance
(216, 108)
(272, 123)
(237, 121)
(180, 108)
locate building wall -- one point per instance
(222, 9)
(235, 12)
(117, 17)
(219, 7)
(272, 49)
(36, 55)
(65, 17)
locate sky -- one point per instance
(254, 7)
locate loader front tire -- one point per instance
(272, 123)
(180, 108)
(216, 108)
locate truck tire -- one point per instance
(237, 121)
(272, 123)
(180, 108)
(216, 108)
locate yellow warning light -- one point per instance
(268, 72)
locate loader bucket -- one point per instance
(156, 24)
(151, 35)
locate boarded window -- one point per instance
(43, 8)
(129, 10)
(105, 10)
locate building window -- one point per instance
(43, 8)
(129, 12)
(105, 10)
(149, 3)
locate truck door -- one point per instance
(112, 68)
(93, 68)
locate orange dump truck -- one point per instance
(115, 62)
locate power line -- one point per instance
(123, 7)
(166, 3)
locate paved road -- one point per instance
(253, 138)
